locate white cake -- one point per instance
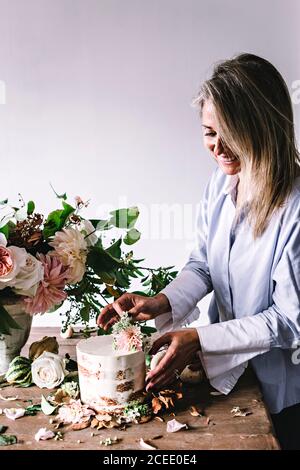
(109, 379)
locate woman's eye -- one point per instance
(210, 134)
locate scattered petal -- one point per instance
(216, 394)
(174, 426)
(14, 413)
(159, 418)
(240, 412)
(8, 398)
(146, 446)
(46, 407)
(43, 434)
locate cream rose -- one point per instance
(48, 370)
(70, 248)
(27, 280)
(12, 259)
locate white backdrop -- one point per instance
(98, 99)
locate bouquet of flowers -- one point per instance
(45, 261)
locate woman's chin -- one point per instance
(230, 169)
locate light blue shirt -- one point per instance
(255, 308)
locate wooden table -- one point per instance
(220, 431)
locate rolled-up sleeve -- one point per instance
(193, 282)
(229, 345)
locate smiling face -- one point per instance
(228, 163)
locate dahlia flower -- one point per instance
(74, 412)
(50, 291)
(70, 248)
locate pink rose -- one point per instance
(12, 259)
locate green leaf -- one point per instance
(30, 207)
(32, 410)
(3, 429)
(140, 292)
(7, 322)
(132, 236)
(115, 249)
(85, 313)
(46, 407)
(107, 277)
(102, 261)
(148, 330)
(124, 218)
(4, 202)
(57, 219)
(101, 332)
(7, 439)
(59, 196)
(122, 279)
(5, 230)
(99, 224)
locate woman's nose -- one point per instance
(218, 147)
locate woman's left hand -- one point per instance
(182, 346)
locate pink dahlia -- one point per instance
(50, 291)
(129, 340)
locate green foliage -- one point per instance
(7, 439)
(57, 219)
(30, 207)
(7, 322)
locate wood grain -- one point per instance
(220, 431)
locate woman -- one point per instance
(247, 250)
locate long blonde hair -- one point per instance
(255, 117)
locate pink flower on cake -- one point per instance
(50, 291)
(74, 412)
(70, 248)
(12, 259)
(129, 340)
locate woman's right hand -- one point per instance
(141, 308)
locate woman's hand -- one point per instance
(182, 346)
(139, 307)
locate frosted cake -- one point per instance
(109, 379)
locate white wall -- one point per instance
(98, 98)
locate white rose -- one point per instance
(86, 228)
(48, 370)
(27, 280)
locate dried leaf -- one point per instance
(143, 419)
(175, 426)
(94, 423)
(156, 437)
(79, 426)
(9, 398)
(146, 446)
(207, 421)
(156, 405)
(194, 411)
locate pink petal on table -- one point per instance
(43, 434)
(174, 426)
(146, 446)
(14, 413)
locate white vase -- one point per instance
(11, 345)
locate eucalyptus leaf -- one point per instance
(124, 218)
(132, 236)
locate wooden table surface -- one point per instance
(221, 431)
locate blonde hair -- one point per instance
(255, 117)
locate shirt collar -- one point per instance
(231, 183)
